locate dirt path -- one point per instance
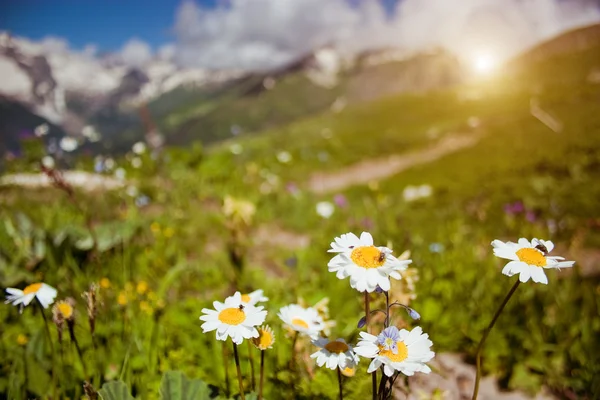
(376, 169)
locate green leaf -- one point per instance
(176, 386)
(115, 390)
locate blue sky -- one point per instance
(105, 23)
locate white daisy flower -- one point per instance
(528, 259)
(397, 350)
(253, 298)
(303, 320)
(366, 265)
(334, 354)
(43, 292)
(233, 319)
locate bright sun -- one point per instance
(484, 63)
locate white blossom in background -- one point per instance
(236, 148)
(68, 144)
(41, 130)
(136, 162)
(284, 157)
(325, 209)
(48, 162)
(139, 148)
(412, 193)
(120, 173)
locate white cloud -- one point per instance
(260, 34)
(136, 53)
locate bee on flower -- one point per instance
(253, 298)
(233, 319)
(302, 320)
(529, 259)
(366, 265)
(397, 350)
(334, 354)
(44, 293)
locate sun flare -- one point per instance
(484, 63)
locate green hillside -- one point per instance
(182, 251)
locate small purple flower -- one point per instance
(340, 200)
(292, 189)
(389, 338)
(367, 223)
(530, 216)
(514, 208)
(414, 314)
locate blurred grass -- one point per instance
(547, 336)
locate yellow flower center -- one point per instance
(264, 339)
(336, 347)
(232, 316)
(368, 257)
(65, 309)
(398, 357)
(246, 298)
(300, 322)
(531, 257)
(33, 288)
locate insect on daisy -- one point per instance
(397, 350)
(44, 293)
(334, 354)
(253, 298)
(303, 320)
(367, 266)
(529, 259)
(233, 319)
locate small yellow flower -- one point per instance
(145, 307)
(104, 283)
(349, 371)
(155, 228)
(239, 210)
(122, 299)
(169, 232)
(142, 287)
(265, 338)
(160, 304)
(22, 340)
(65, 309)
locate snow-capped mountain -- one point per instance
(46, 77)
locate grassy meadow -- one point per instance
(158, 264)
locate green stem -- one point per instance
(485, 335)
(293, 358)
(79, 352)
(339, 374)
(239, 371)
(225, 366)
(252, 380)
(367, 319)
(54, 394)
(262, 374)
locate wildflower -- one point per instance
(334, 354)
(340, 200)
(237, 209)
(366, 265)
(122, 299)
(303, 320)
(408, 353)
(155, 228)
(139, 148)
(284, 157)
(169, 232)
(44, 293)
(48, 162)
(253, 298)
(325, 209)
(145, 307)
(349, 371)
(136, 162)
(142, 287)
(528, 259)
(265, 338)
(233, 319)
(104, 283)
(62, 312)
(22, 340)
(68, 144)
